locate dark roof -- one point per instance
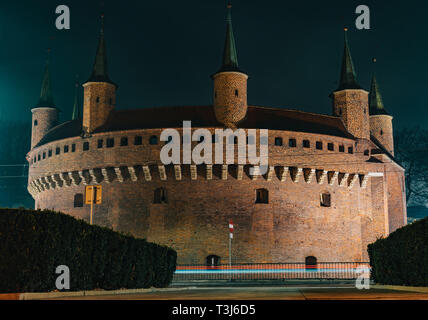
(203, 116)
(65, 130)
(375, 100)
(348, 77)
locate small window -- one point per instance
(306, 144)
(340, 111)
(44, 155)
(160, 196)
(138, 140)
(78, 200)
(98, 99)
(35, 159)
(350, 150)
(57, 151)
(123, 141)
(381, 132)
(366, 152)
(65, 149)
(36, 122)
(325, 199)
(236, 93)
(110, 143)
(73, 147)
(262, 196)
(213, 261)
(310, 263)
(50, 153)
(292, 143)
(318, 145)
(100, 143)
(330, 146)
(278, 141)
(341, 148)
(85, 146)
(154, 140)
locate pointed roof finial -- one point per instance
(376, 106)
(46, 98)
(100, 70)
(76, 110)
(348, 77)
(230, 55)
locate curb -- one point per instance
(401, 288)
(55, 295)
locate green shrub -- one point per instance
(34, 243)
(402, 258)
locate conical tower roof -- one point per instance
(348, 77)
(46, 98)
(375, 99)
(76, 108)
(230, 55)
(100, 69)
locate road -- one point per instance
(267, 293)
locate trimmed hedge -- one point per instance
(34, 243)
(402, 258)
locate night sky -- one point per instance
(162, 53)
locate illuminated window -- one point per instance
(160, 196)
(262, 196)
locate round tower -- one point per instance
(350, 101)
(44, 115)
(99, 90)
(380, 121)
(230, 83)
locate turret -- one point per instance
(350, 101)
(230, 83)
(44, 115)
(380, 120)
(99, 90)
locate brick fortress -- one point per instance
(333, 185)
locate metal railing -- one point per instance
(270, 271)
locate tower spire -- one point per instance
(230, 56)
(376, 106)
(348, 77)
(46, 98)
(76, 109)
(100, 70)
